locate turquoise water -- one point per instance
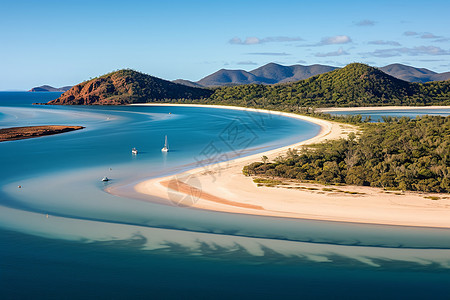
(97, 245)
(377, 115)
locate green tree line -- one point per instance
(400, 154)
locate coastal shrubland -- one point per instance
(399, 154)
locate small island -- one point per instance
(20, 133)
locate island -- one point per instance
(20, 133)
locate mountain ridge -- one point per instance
(273, 73)
(413, 74)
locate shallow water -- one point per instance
(377, 115)
(107, 242)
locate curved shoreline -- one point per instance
(222, 187)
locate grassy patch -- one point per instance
(267, 181)
(432, 197)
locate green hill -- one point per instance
(125, 87)
(354, 85)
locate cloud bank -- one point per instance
(365, 23)
(415, 51)
(255, 40)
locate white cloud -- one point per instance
(381, 42)
(338, 39)
(428, 35)
(271, 39)
(365, 23)
(339, 52)
(410, 33)
(415, 51)
(247, 62)
(269, 53)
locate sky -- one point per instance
(66, 42)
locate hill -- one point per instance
(283, 74)
(187, 83)
(225, 77)
(48, 88)
(125, 87)
(270, 73)
(413, 74)
(354, 85)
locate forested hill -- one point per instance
(354, 85)
(125, 87)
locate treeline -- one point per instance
(400, 154)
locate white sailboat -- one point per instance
(134, 151)
(166, 146)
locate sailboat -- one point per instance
(134, 151)
(166, 146)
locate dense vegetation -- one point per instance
(398, 154)
(128, 86)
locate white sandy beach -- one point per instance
(223, 187)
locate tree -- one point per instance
(264, 159)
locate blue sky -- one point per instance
(66, 42)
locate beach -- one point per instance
(222, 187)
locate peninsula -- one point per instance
(20, 133)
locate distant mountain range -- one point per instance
(273, 73)
(413, 74)
(48, 88)
(268, 74)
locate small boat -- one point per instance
(166, 146)
(134, 151)
(105, 179)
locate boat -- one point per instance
(105, 179)
(134, 151)
(166, 146)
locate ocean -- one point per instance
(63, 236)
